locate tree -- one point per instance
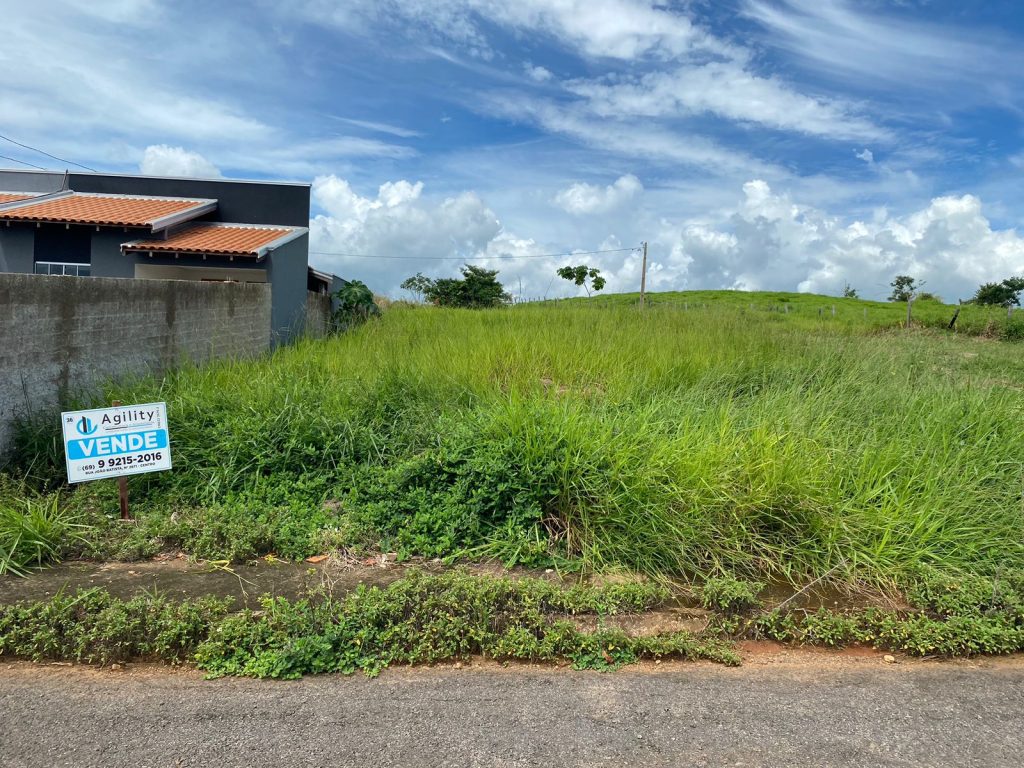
(903, 288)
(417, 285)
(479, 288)
(579, 275)
(849, 292)
(1004, 294)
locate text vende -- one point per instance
(114, 445)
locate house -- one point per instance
(145, 227)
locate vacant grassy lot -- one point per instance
(712, 433)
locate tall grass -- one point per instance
(33, 532)
(678, 440)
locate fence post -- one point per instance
(910, 302)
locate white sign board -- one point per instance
(110, 442)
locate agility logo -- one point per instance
(85, 426)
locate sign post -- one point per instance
(116, 442)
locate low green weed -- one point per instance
(730, 595)
(93, 627)
(419, 619)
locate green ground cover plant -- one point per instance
(713, 434)
(425, 619)
(419, 619)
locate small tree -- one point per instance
(1004, 294)
(579, 275)
(849, 292)
(355, 305)
(479, 288)
(903, 288)
(417, 286)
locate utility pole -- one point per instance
(643, 277)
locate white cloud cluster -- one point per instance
(582, 198)
(621, 29)
(770, 242)
(162, 160)
(398, 222)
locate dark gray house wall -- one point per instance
(17, 248)
(287, 272)
(107, 259)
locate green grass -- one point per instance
(681, 441)
(34, 531)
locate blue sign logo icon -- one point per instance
(85, 426)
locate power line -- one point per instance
(471, 258)
(16, 160)
(54, 157)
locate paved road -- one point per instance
(787, 711)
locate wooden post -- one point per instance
(910, 301)
(643, 277)
(122, 484)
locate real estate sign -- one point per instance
(110, 442)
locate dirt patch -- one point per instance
(655, 622)
(178, 578)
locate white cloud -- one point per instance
(537, 73)
(398, 222)
(726, 89)
(620, 29)
(908, 56)
(162, 160)
(866, 155)
(627, 137)
(582, 198)
(393, 130)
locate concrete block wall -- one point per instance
(318, 314)
(63, 336)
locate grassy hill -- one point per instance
(715, 432)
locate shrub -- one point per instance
(355, 305)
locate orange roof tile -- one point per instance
(225, 239)
(13, 197)
(109, 210)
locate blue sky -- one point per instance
(756, 144)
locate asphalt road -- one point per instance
(783, 710)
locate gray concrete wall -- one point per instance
(63, 336)
(318, 314)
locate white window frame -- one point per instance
(65, 271)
